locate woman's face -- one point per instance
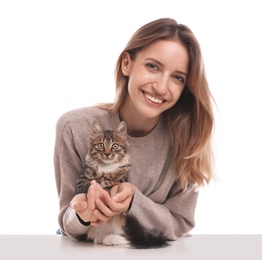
(157, 77)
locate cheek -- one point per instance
(176, 92)
(133, 85)
(139, 78)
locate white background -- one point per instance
(59, 55)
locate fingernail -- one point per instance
(115, 198)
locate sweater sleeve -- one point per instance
(175, 217)
(68, 164)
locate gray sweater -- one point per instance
(159, 201)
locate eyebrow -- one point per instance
(159, 63)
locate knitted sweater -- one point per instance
(159, 201)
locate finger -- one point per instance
(78, 205)
(93, 182)
(103, 208)
(113, 205)
(96, 223)
(79, 202)
(114, 190)
(91, 197)
(98, 186)
(119, 194)
(100, 216)
(122, 195)
(108, 201)
(126, 191)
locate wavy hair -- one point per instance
(191, 119)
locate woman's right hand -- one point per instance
(86, 208)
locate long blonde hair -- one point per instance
(191, 119)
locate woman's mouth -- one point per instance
(154, 99)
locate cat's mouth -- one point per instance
(106, 160)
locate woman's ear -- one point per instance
(125, 65)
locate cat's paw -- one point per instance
(113, 239)
(98, 241)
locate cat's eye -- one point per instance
(100, 146)
(115, 146)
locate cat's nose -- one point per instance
(107, 154)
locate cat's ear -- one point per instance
(96, 129)
(121, 129)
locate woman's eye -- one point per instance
(151, 66)
(179, 78)
(100, 146)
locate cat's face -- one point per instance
(108, 149)
(108, 146)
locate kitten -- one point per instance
(108, 163)
(107, 160)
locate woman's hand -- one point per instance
(122, 197)
(86, 208)
(118, 201)
(100, 206)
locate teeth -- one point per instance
(153, 99)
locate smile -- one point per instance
(153, 99)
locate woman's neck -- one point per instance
(137, 126)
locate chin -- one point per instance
(152, 113)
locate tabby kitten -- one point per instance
(108, 163)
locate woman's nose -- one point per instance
(160, 86)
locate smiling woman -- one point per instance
(163, 97)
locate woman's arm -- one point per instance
(175, 217)
(68, 164)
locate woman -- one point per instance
(163, 96)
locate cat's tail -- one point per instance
(141, 238)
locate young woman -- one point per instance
(162, 94)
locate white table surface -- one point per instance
(197, 247)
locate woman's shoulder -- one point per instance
(75, 116)
(82, 112)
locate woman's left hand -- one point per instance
(119, 201)
(121, 197)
